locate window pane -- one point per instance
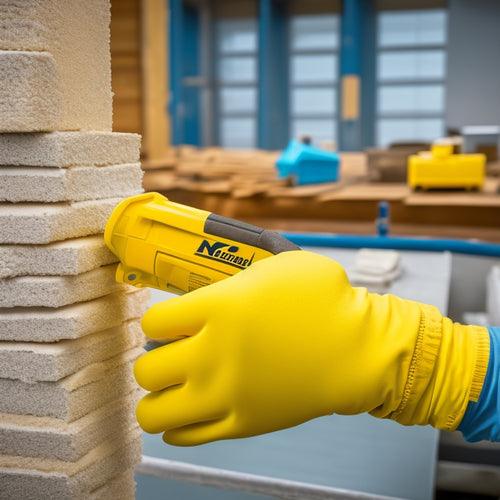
(412, 65)
(238, 100)
(237, 69)
(410, 130)
(319, 130)
(320, 68)
(236, 35)
(313, 100)
(237, 132)
(314, 32)
(398, 29)
(411, 98)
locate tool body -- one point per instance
(176, 248)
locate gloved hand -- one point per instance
(288, 340)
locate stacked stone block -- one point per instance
(69, 334)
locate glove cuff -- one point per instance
(482, 342)
(447, 371)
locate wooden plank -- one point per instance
(127, 115)
(350, 97)
(249, 189)
(125, 66)
(159, 180)
(493, 169)
(126, 76)
(169, 162)
(125, 27)
(192, 153)
(164, 180)
(369, 192)
(453, 199)
(125, 37)
(154, 78)
(210, 187)
(487, 197)
(352, 164)
(219, 186)
(308, 190)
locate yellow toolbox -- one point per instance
(440, 168)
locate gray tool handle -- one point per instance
(237, 231)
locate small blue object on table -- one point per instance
(306, 164)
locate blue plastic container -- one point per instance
(307, 165)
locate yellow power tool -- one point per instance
(176, 248)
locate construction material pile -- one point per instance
(69, 333)
(239, 173)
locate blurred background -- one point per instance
(218, 88)
(253, 74)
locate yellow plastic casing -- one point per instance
(439, 168)
(162, 244)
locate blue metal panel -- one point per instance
(350, 48)
(273, 76)
(350, 64)
(191, 68)
(213, 131)
(357, 57)
(368, 68)
(184, 61)
(175, 44)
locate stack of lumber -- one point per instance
(237, 173)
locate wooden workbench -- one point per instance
(244, 185)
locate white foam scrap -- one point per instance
(38, 223)
(76, 34)
(42, 324)
(58, 291)
(45, 437)
(33, 362)
(375, 267)
(66, 149)
(68, 257)
(75, 395)
(30, 97)
(33, 478)
(18, 184)
(376, 262)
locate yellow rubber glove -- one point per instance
(288, 340)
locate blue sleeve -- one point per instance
(482, 419)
